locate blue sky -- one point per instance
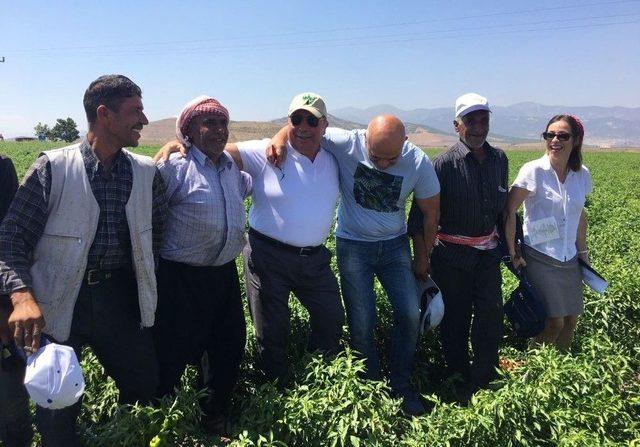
(255, 55)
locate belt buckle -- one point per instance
(304, 251)
(90, 277)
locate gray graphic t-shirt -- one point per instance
(376, 190)
(372, 206)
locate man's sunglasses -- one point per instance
(312, 121)
(562, 136)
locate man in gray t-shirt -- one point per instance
(378, 170)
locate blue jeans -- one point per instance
(390, 261)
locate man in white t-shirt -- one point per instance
(289, 221)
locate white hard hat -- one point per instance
(431, 304)
(53, 377)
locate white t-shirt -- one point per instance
(552, 209)
(296, 204)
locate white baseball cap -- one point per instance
(53, 377)
(431, 304)
(470, 102)
(311, 102)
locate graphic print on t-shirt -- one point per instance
(376, 190)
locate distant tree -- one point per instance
(42, 131)
(66, 130)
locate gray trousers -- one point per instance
(271, 273)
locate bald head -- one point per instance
(385, 139)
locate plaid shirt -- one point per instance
(111, 247)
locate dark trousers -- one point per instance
(473, 304)
(272, 273)
(15, 418)
(106, 317)
(200, 309)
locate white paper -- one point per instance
(543, 230)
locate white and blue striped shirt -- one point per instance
(206, 219)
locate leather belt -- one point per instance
(300, 251)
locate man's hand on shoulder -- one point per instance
(26, 320)
(276, 154)
(169, 148)
(276, 150)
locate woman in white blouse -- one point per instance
(553, 189)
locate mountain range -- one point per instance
(161, 131)
(522, 122)
(518, 124)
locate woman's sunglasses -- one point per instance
(312, 121)
(562, 136)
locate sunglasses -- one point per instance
(562, 136)
(312, 121)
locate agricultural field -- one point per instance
(588, 397)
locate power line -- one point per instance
(460, 32)
(140, 46)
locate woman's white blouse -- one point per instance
(552, 209)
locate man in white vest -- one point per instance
(77, 251)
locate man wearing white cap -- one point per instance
(291, 214)
(199, 298)
(465, 261)
(77, 251)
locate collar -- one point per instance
(92, 163)
(463, 149)
(224, 162)
(545, 163)
(293, 150)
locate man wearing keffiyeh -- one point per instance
(199, 300)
